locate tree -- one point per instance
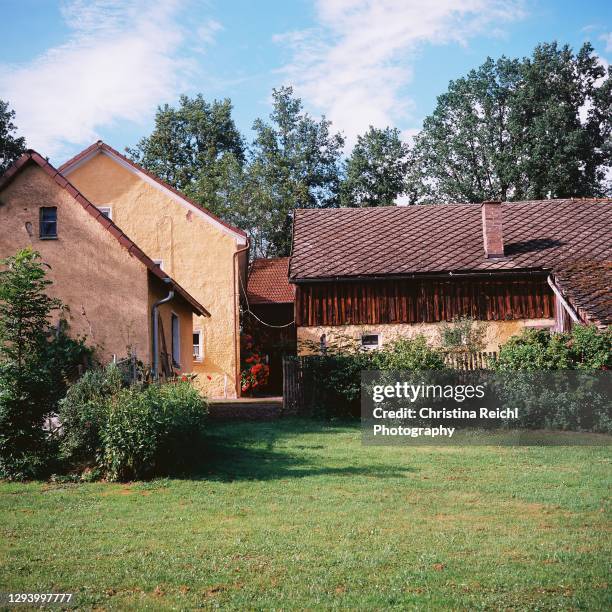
(24, 318)
(194, 148)
(11, 147)
(34, 363)
(376, 170)
(519, 129)
(294, 163)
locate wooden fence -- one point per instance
(299, 387)
(469, 361)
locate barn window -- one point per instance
(370, 341)
(48, 222)
(176, 341)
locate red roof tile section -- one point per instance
(587, 287)
(394, 240)
(33, 157)
(269, 283)
(102, 146)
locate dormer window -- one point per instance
(48, 222)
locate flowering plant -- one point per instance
(254, 372)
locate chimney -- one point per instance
(492, 232)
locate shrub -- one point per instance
(84, 410)
(154, 429)
(408, 354)
(584, 348)
(463, 334)
(336, 376)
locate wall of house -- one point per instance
(194, 252)
(157, 291)
(497, 333)
(104, 287)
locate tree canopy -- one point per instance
(194, 148)
(375, 172)
(519, 129)
(11, 146)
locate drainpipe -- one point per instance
(237, 315)
(155, 321)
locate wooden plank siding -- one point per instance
(422, 301)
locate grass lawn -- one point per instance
(294, 514)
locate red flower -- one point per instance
(183, 378)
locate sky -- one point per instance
(77, 71)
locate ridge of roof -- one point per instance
(102, 146)
(125, 241)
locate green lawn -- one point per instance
(294, 514)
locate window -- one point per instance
(370, 341)
(176, 341)
(48, 222)
(107, 211)
(159, 262)
(198, 351)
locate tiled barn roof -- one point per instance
(394, 240)
(587, 286)
(269, 283)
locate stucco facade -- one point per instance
(202, 255)
(497, 333)
(106, 289)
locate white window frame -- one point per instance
(173, 316)
(371, 347)
(200, 357)
(108, 213)
(159, 262)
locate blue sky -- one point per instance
(80, 70)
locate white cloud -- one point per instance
(355, 65)
(121, 59)
(607, 38)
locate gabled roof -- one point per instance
(443, 239)
(100, 147)
(269, 283)
(33, 157)
(587, 286)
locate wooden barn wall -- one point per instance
(422, 301)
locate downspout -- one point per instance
(155, 322)
(237, 315)
(564, 302)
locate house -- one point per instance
(373, 274)
(269, 314)
(115, 294)
(203, 253)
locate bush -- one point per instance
(151, 430)
(584, 348)
(335, 378)
(83, 412)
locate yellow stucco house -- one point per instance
(116, 296)
(203, 253)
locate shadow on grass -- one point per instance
(256, 451)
